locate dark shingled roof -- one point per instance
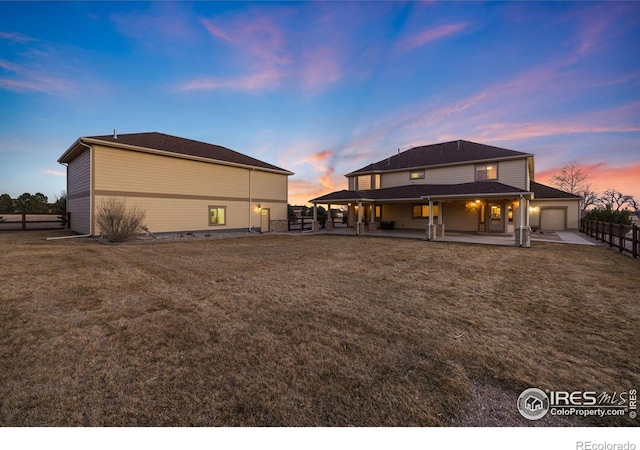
(543, 191)
(439, 154)
(182, 146)
(417, 191)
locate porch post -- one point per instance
(314, 226)
(359, 223)
(431, 233)
(523, 237)
(329, 224)
(372, 223)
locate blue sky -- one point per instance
(323, 88)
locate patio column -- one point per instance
(431, 230)
(314, 226)
(359, 223)
(329, 224)
(372, 222)
(523, 235)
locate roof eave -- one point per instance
(66, 156)
(528, 195)
(435, 166)
(173, 155)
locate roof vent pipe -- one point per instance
(115, 135)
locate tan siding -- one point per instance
(513, 173)
(79, 209)
(167, 214)
(441, 175)
(78, 194)
(450, 175)
(268, 186)
(176, 193)
(120, 170)
(457, 217)
(573, 211)
(79, 175)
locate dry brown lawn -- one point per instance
(307, 331)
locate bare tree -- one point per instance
(615, 200)
(589, 198)
(635, 205)
(571, 178)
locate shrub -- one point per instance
(609, 215)
(117, 222)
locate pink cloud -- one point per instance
(30, 78)
(317, 157)
(257, 36)
(320, 67)
(269, 79)
(430, 35)
(57, 173)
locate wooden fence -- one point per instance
(623, 237)
(36, 221)
(300, 223)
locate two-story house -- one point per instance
(458, 186)
(180, 184)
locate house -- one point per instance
(461, 185)
(181, 184)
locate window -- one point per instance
(217, 215)
(416, 175)
(378, 212)
(422, 211)
(486, 172)
(364, 182)
(376, 181)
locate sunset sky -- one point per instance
(323, 88)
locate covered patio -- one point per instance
(493, 210)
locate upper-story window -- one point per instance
(416, 175)
(364, 182)
(486, 172)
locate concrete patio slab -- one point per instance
(567, 237)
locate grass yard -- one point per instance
(308, 331)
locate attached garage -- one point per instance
(553, 219)
(553, 209)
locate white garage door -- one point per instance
(553, 219)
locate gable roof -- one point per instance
(543, 191)
(421, 191)
(454, 152)
(159, 142)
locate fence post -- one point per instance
(68, 220)
(621, 237)
(24, 220)
(610, 234)
(635, 241)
